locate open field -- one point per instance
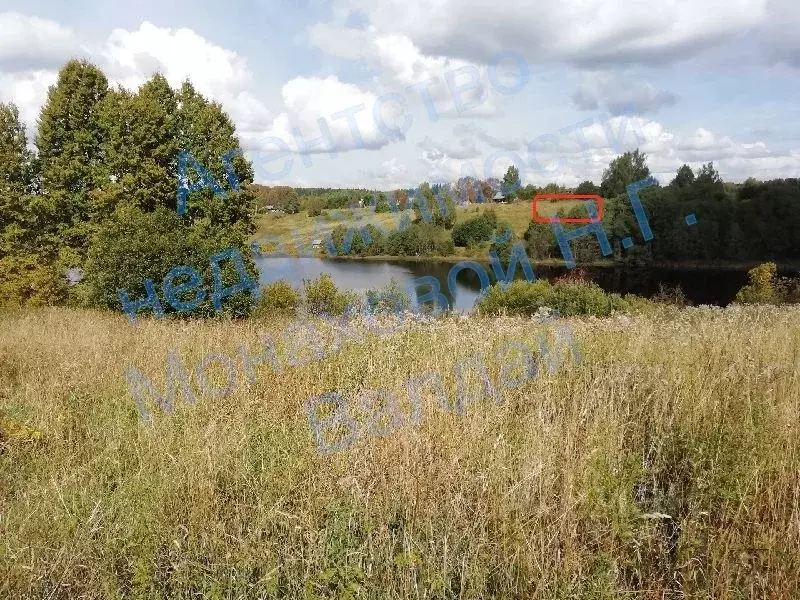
(518, 214)
(666, 465)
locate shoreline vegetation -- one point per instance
(786, 266)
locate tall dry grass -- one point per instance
(667, 465)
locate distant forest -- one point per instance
(751, 221)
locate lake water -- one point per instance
(717, 287)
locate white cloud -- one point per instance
(464, 149)
(619, 94)
(28, 91)
(131, 57)
(330, 115)
(447, 87)
(574, 154)
(33, 44)
(391, 175)
(577, 31)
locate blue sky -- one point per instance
(685, 80)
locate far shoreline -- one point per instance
(788, 267)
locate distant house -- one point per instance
(498, 197)
(316, 244)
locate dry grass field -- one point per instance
(666, 465)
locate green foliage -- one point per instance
(382, 206)
(372, 244)
(441, 207)
(70, 142)
(511, 182)
(623, 171)
(568, 298)
(28, 280)
(390, 299)
(278, 297)
(763, 287)
(475, 230)
(587, 187)
(292, 206)
(420, 239)
(323, 297)
(132, 246)
(684, 177)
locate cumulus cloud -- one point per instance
(391, 175)
(327, 115)
(584, 32)
(619, 94)
(33, 44)
(465, 148)
(447, 87)
(574, 154)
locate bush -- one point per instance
(473, 231)
(323, 297)
(763, 287)
(670, 295)
(314, 211)
(28, 281)
(278, 297)
(569, 299)
(371, 244)
(420, 239)
(382, 206)
(132, 246)
(390, 299)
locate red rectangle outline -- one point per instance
(598, 200)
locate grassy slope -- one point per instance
(553, 494)
(518, 214)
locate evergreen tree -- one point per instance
(15, 170)
(141, 148)
(206, 131)
(70, 144)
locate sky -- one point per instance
(384, 94)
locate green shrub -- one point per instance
(132, 246)
(29, 281)
(763, 287)
(420, 239)
(568, 298)
(473, 231)
(323, 297)
(373, 245)
(278, 297)
(389, 299)
(382, 206)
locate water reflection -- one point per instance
(700, 287)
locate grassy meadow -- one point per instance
(285, 226)
(666, 465)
